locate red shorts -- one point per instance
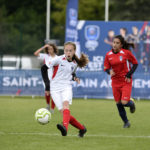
(122, 92)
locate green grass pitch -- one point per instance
(20, 131)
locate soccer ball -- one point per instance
(42, 116)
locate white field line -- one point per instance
(86, 135)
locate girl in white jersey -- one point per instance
(61, 86)
(50, 53)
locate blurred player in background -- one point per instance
(135, 38)
(124, 33)
(50, 53)
(109, 39)
(61, 85)
(117, 64)
(146, 50)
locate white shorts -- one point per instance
(60, 96)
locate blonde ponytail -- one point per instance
(82, 61)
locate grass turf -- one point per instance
(19, 130)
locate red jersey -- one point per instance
(120, 63)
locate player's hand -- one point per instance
(112, 73)
(46, 46)
(77, 80)
(128, 80)
(47, 93)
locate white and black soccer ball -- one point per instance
(43, 116)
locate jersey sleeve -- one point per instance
(106, 63)
(131, 58)
(53, 62)
(42, 56)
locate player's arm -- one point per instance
(74, 76)
(129, 74)
(54, 62)
(107, 71)
(107, 67)
(45, 78)
(38, 51)
(107, 41)
(133, 60)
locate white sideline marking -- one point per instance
(87, 135)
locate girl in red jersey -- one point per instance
(61, 85)
(118, 64)
(50, 53)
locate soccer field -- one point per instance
(19, 130)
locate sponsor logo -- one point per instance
(92, 34)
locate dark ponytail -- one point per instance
(125, 45)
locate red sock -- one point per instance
(66, 118)
(52, 104)
(75, 123)
(47, 97)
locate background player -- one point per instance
(61, 85)
(117, 64)
(109, 39)
(50, 53)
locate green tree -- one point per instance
(91, 9)
(23, 23)
(21, 26)
(58, 19)
(129, 10)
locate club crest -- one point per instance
(92, 34)
(121, 58)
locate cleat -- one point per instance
(127, 125)
(132, 108)
(82, 132)
(62, 129)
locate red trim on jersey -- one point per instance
(64, 58)
(55, 71)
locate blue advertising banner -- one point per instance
(94, 84)
(96, 40)
(71, 20)
(98, 85)
(21, 82)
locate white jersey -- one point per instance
(62, 73)
(47, 58)
(43, 57)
